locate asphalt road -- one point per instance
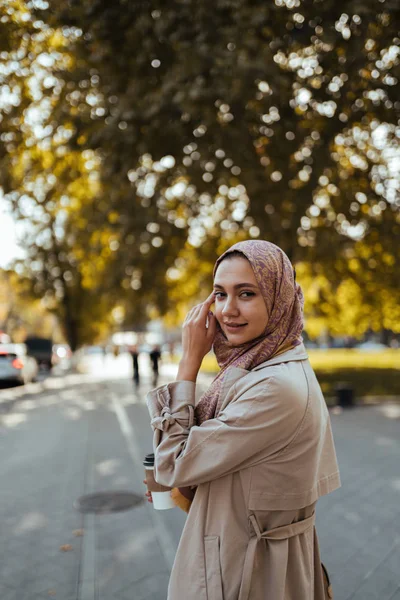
(69, 436)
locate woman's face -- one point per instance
(239, 306)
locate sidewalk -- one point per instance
(89, 435)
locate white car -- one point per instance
(372, 346)
(15, 364)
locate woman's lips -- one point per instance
(233, 327)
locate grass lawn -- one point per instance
(369, 373)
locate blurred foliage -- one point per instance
(139, 141)
(349, 306)
(336, 359)
(21, 314)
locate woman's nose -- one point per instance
(230, 307)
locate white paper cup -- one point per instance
(161, 495)
(162, 500)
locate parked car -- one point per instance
(370, 346)
(41, 349)
(16, 365)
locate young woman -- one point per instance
(256, 453)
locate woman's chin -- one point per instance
(236, 340)
(239, 340)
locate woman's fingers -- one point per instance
(193, 312)
(205, 309)
(201, 310)
(148, 494)
(198, 335)
(210, 300)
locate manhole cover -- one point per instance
(107, 502)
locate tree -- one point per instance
(229, 118)
(264, 111)
(73, 230)
(21, 313)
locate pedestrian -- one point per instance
(134, 352)
(155, 356)
(253, 456)
(171, 351)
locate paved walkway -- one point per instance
(83, 434)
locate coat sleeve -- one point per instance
(262, 419)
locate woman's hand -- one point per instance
(148, 494)
(198, 333)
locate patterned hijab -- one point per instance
(284, 301)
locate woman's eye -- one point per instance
(247, 294)
(219, 294)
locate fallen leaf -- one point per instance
(66, 547)
(78, 532)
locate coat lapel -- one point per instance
(297, 353)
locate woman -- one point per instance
(257, 449)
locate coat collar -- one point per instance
(297, 353)
(233, 374)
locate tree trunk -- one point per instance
(70, 321)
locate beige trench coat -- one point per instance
(260, 466)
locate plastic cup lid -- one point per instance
(149, 460)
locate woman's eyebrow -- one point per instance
(237, 286)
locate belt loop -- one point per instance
(256, 528)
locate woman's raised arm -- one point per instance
(262, 418)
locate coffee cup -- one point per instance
(160, 494)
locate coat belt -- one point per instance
(283, 532)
